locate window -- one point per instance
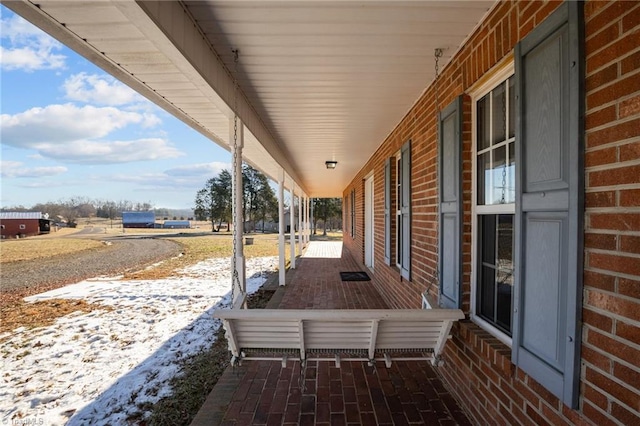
(353, 213)
(400, 208)
(403, 211)
(494, 128)
(528, 208)
(23, 226)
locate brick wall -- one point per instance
(478, 367)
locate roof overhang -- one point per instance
(317, 80)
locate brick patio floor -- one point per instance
(263, 393)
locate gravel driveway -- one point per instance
(20, 279)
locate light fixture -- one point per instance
(331, 164)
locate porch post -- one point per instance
(281, 250)
(307, 205)
(292, 225)
(236, 133)
(300, 221)
(311, 223)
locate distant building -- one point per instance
(138, 220)
(23, 224)
(176, 224)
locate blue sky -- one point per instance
(69, 129)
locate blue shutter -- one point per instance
(450, 199)
(387, 211)
(405, 210)
(549, 203)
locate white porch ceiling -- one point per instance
(319, 80)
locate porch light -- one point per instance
(331, 164)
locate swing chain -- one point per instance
(236, 278)
(437, 54)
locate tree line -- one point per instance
(260, 205)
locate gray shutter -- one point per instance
(450, 199)
(549, 205)
(405, 210)
(387, 211)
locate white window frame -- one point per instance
(496, 76)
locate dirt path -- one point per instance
(20, 279)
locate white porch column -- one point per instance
(281, 227)
(300, 230)
(239, 287)
(292, 225)
(308, 227)
(311, 218)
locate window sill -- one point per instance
(496, 333)
(486, 345)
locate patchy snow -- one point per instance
(97, 367)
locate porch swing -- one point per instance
(335, 335)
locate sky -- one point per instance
(69, 129)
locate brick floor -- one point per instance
(264, 393)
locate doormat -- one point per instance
(354, 276)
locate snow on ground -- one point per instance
(95, 368)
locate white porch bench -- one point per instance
(331, 334)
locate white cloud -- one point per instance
(16, 169)
(204, 170)
(70, 133)
(111, 152)
(29, 48)
(63, 123)
(100, 90)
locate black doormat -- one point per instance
(354, 276)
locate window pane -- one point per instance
(511, 174)
(487, 293)
(499, 175)
(498, 114)
(487, 239)
(505, 241)
(503, 308)
(484, 178)
(483, 118)
(512, 108)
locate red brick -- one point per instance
(627, 375)
(613, 12)
(632, 19)
(628, 332)
(630, 244)
(595, 397)
(627, 287)
(598, 280)
(601, 39)
(630, 63)
(617, 263)
(600, 199)
(630, 106)
(624, 45)
(617, 176)
(630, 151)
(600, 241)
(613, 347)
(591, 8)
(612, 92)
(617, 132)
(615, 221)
(614, 304)
(623, 415)
(597, 320)
(630, 197)
(550, 398)
(600, 117)
(601, 156)
(596, 417)
(605, 383)
(596, 358)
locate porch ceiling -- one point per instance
(319, 80)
